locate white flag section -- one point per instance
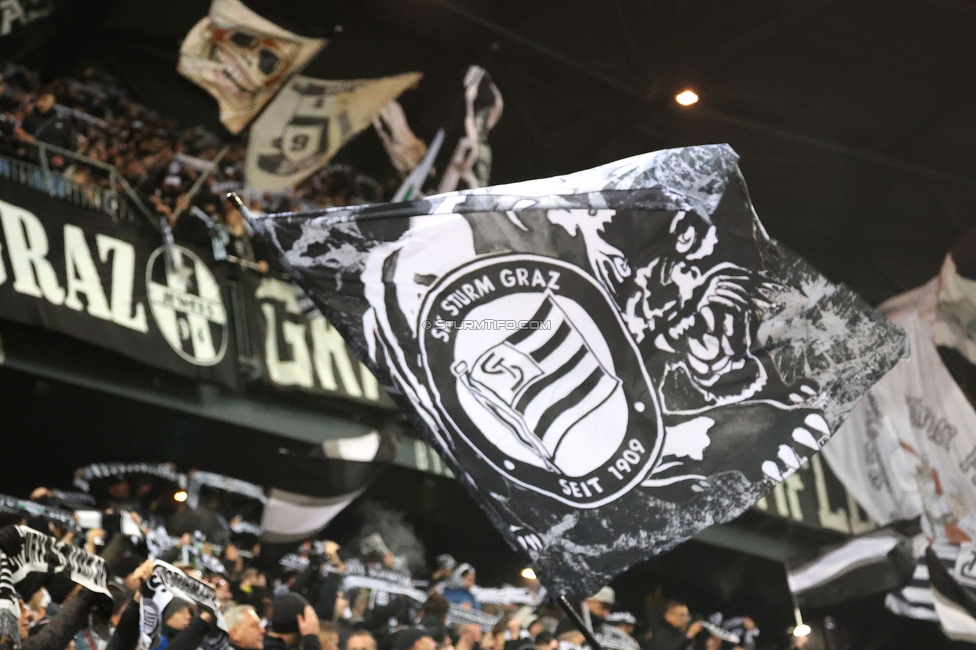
(308, 491)
(923, 429)
(293, 517)
(870, 460)
(242, 59)
(309, 121)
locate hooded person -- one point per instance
(457, 589)
(293, 625)
(177, 616)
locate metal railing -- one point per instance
(118, 200)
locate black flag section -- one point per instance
(610, 361)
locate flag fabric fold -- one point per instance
(309, 121)
(610, 361)
(909, 448)
(308, 491)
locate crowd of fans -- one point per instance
(300, 597)
(95, 118)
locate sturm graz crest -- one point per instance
(187, 305)
(534, 371)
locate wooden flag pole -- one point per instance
(578, 622)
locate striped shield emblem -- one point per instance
(541, 380)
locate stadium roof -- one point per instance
(854, 120)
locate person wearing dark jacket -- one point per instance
(72, 617)
(46, 125)
(191, 637)
(293, 625)
(676, 631)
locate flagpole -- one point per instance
(578, 622)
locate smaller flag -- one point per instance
(915, 599)
(310, 490)
(867, 565)
(309, 121)
(242, 59)
(952, 573)
(471, 160)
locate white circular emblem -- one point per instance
(533, 371)
(187, 305)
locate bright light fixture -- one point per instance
(686, 97)
(801, 630)
(180, 496)
(528, 573)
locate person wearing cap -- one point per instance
(293, 625)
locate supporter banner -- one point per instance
(610, 361)
(814, 496)
(919, 409)
(45, 554)
(58, 516)
(309, 121)
(868, 456)
(168, 582)
(75, 271)
(305, 351)
(242, 59)
(307, 492)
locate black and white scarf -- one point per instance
(104, 470)
(166, 583)
(45, 554)
(58, 516)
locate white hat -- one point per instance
(605, 595)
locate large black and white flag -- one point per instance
(308, 491)
(611, 361)
(166, 583)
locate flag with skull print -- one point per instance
(242, 59)
(611, 361)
